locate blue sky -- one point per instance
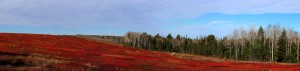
(116, 17)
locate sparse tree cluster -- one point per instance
(271, 44)
(111, 39)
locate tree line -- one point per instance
(270, 44)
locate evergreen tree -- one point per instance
(211, 45)
(291, 58)
(169, 46)
(157, 36)
(259, 51)
(178, 37)
(169, 36)
(267, 54)
(281, 54)
(184, 45)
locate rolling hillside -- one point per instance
(53, 52)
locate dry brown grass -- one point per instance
(20, 62)
(198, 58)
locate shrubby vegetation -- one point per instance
(270, 44)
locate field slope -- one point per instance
(51, 52)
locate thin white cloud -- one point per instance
(220, 22)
